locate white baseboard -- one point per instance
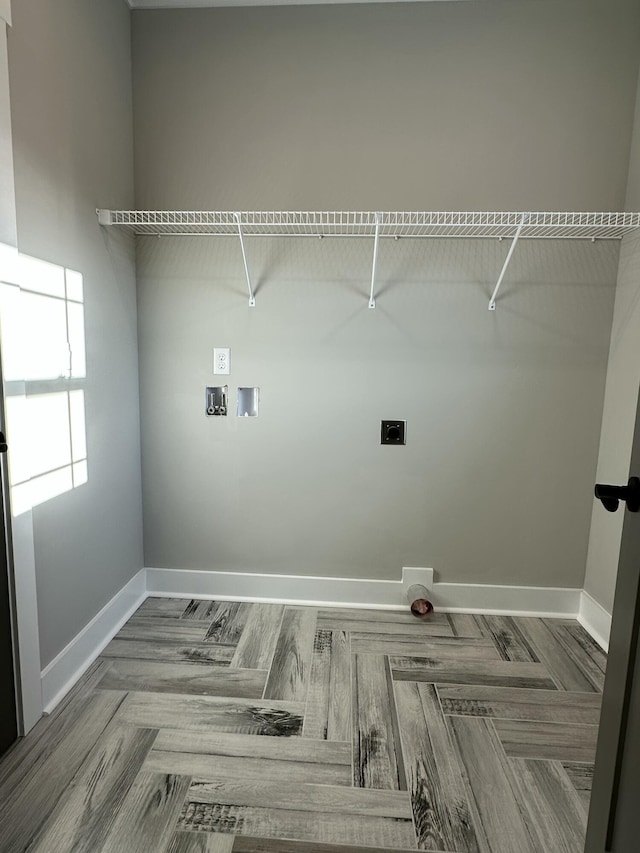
(63, 672)
(65, 669)
(541, 601)
(353, 592)
(287, 589)
(26, 612)
(594, 619)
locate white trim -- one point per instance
(8, 219)
(5, 11)
(357, 592)
(594, 619)
(67, 667)
(206, 4)
(287, 589)
(26, 621)
(554, 602)
(22, 564)
(541, 601)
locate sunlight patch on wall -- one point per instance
(50, 323)
(44, 368)
(48, 447)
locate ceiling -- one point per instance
(201, 4)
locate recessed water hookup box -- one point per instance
(248, 399)
(216, 401)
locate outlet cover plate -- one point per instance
(392, 432)
(221, 360)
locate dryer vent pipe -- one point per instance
(418, 600)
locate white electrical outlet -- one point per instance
(221, 360)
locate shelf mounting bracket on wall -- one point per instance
(252, 298)
(492, 303)
(376, 240)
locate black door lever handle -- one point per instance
(612, 495)
(3, 443)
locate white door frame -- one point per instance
(21, 545)
(613, 814)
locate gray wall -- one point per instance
(421, 106)
(621, 397)
(633, 179)
(70, 76)
(493, 105)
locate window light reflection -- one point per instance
(44, 362)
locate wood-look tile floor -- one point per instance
(225, 727)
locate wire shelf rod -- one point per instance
(322, 236)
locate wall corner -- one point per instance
(5, 11)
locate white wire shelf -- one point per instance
(549, 225)
(513, 226)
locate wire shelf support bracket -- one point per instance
(492, 302)
(252, 298)
(376, 241)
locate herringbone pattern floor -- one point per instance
(225, 727)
